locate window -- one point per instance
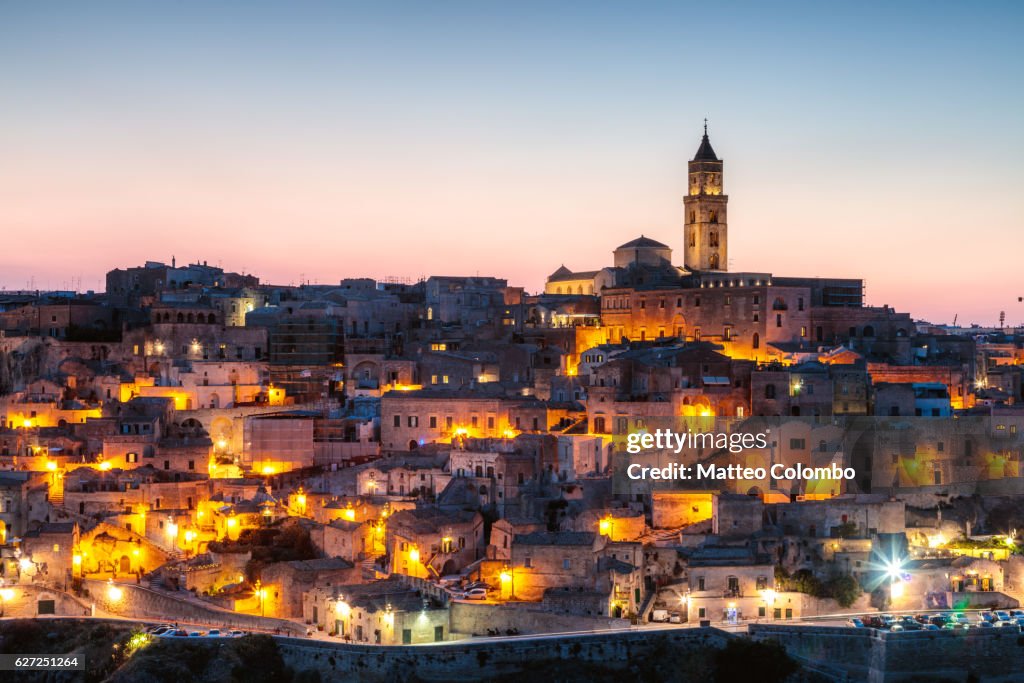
(448, 422)
(433, 379)
(778, 320)
(433, 421)
(566, 563)
(700, 583)
(797, 444)
(191, 464)
(769, 391)
(696, 302)
(528, 562)
(761, 611)
(756, 343)
(702, 612)
(414, 421)
(444, 379)
(800, 303)
(131, 457)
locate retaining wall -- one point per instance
(144, 603)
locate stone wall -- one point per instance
(143, 603)
(992, 655)
(468, 618)
(25, 600)
(480, 661)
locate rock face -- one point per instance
(21, 361)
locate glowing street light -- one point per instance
(114, 593)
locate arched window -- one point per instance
(714, 238)
(713, 216)
(713, 262)
(869, 331)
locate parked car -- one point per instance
(929, 627)
(159, 630)
(475, 594)
(214, 633)
(854, 623)
(675, 619)
(196, 634)
(236, 634)
(938, 620)
(873, 622)
(1003, 616)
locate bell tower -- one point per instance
(706, 231)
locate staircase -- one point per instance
(646, 606)
(369, 566)
(57, 496)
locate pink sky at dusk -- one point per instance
(507, 148)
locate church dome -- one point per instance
(643, 242)
(643, 251)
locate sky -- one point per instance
(309, 141)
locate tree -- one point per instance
(844, 589)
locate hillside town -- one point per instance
(401, 462)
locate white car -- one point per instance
(475, 594)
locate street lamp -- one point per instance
(507, 577)
(261, 594)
